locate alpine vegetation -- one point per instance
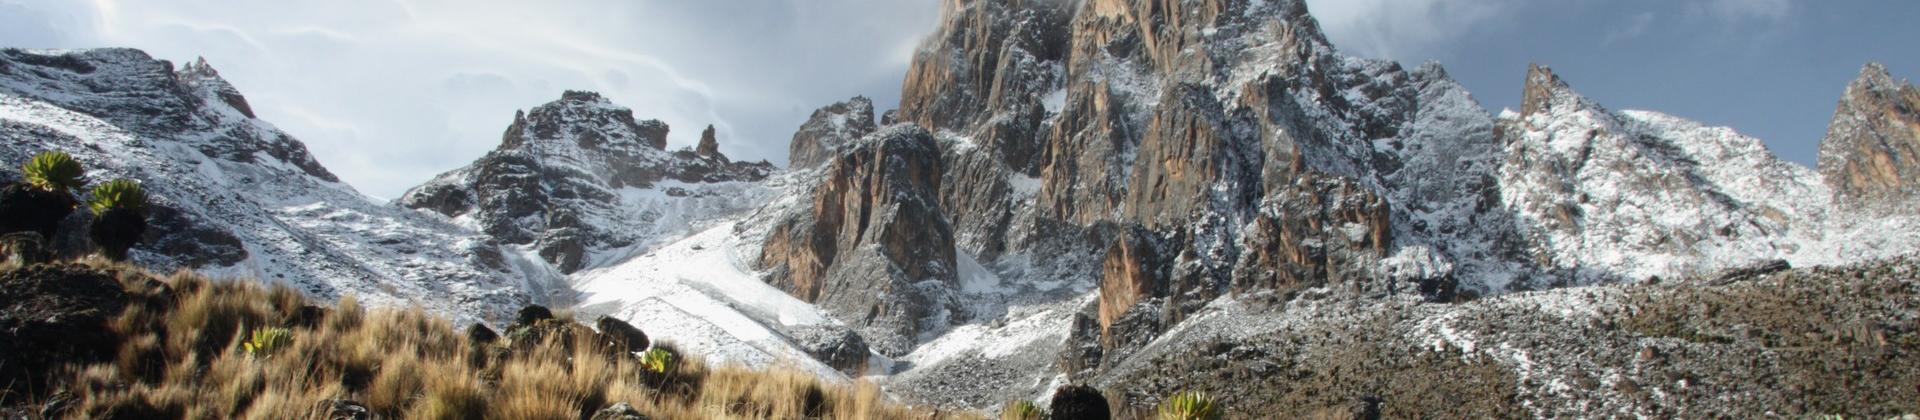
(44, 197)
(1188, 405)
(120, 217)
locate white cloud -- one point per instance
(1403, 29)
(390, 92)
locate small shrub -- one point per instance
(1189, 406)
(55, 171)
(265, 341)
(1022, 410)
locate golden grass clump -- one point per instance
(184, 343)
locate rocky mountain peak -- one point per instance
(201, 75)
(230, 193)
(829, 128)
(1871, 155)
(1545, 92)
(559, 178)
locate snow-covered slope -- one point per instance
(236, 196)
(702, 294)
(1609, 196)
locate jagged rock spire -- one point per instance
(710, 145)
(1870, 154)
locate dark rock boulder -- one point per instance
(343, 410)
(619, 336)
(23, 248)
(1871, 154)
(619, 411)
(838, 347)
(830, 127)
(1751, 272)
(873, 249)
(52, 316)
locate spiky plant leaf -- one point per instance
(1189, 406)
(120, 194)
(265, 341)
(658, 360)
(55, 171)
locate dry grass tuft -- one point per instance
(181, 356)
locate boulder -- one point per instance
(337, 409)
(23, 248)
(838, 347)
(53, 316)
(618, 411)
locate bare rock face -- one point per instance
(555, 179)
(874, 249)
(653, 133)
(1133, 270)
(1318, 231)
(1871, 155)
(710, 145)
(992, 64)
(828, 129)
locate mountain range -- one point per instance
(1142, 195)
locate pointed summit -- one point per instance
(1871, 154)
(1542, 89)
(203, 78)
(710, 145)
(555, 182)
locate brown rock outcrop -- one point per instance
(710, 145)
(1132, 270)
(1871, 155)
(873, 249)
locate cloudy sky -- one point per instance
(390, 92)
